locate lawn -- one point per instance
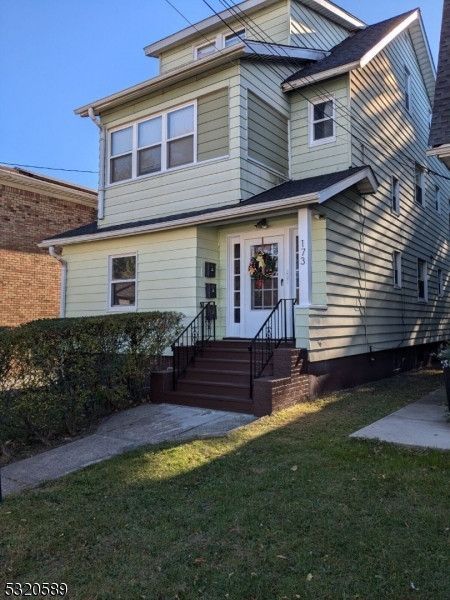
(287, 508)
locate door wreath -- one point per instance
(262, 266)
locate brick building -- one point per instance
(34, 207)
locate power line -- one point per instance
(45, 168)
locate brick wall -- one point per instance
(29, 277)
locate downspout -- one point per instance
(101, 180)
(62, 305)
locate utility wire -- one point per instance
(45, 168)
(343, 111)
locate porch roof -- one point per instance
(288, 195)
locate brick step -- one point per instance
(207, 362)
(226, 353)
(228, 403)
(222, 389)
(217, 375)
(235, 344)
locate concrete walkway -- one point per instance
(146, 424)
(422, 423)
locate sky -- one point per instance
(58, 55)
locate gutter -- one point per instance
(101, 180)
(62, 305)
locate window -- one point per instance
(395, 195)
(440, 282)
(437, 199)
(397, 268)
(205, 50)
(234, 38)
(407, 90)
(422, 284)
(221, 42)
(154, 145)
(122, 282)
(321, 121)
(419, 194)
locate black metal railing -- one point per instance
(190, 342)
(278, 327)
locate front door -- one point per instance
(263, 281)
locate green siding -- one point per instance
(268, 138)
(213, 126)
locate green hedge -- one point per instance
(57, 375)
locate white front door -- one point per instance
(262, 290)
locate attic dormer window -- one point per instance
(234, 38)
(205, 50)
(407, 90)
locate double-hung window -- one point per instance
(407, 90)
(205, 50)
(397, 268)
(419, 183)
(395, 195)
(122, 282)
(422, 283)
(440, 282)
(233, 38)
(154, 145)
(322, 125)
(437, 199)
(219, 43)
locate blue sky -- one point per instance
(57, 55)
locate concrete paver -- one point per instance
(422, 424)
(139, 426)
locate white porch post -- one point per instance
(304, 257)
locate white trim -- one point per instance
(425, 280)
(395, 191)
(310, 79)
(260, 164)
(227, 213)
(443, 150)
(388, 38)
(109, 306)
(232, 329)
(164, 143)
(311, 122)
(397, 266)
(305, 257)
(407, 90)
(419, 169)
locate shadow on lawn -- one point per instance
(286, 508)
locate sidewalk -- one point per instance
(422, 423)
(145, 424)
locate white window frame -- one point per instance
(407, 90)
(395, 195)
(418, 169)
(425, 280)
(440, 283)
(311, 104)
(110, 307)
(437, 199)
(164, 145)
(397, 268)
(219, 43)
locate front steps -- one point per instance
(219, 379)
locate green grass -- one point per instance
(233, 518)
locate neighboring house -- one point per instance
(293, 128)
(33, 206)
(439, 141)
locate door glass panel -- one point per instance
(263, 270)
(237, 282)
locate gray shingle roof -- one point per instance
(440, 126)
(290, 189)
(352, 48)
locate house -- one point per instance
(439, 140)
(280, 154)
(34, 206)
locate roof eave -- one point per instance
(309, 80)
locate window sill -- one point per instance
(314, 143)
(122, 309)
(267, 168)
(422, 300)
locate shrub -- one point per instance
(59, 374)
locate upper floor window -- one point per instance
(419, 194)
(440, 282)
(437, 199)
(220, 42)
(322, 126)
(234, 38)
(422, 284)
(397, 267)
(407, 90)
(122, 282)
(395, 195)
(154, 145)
